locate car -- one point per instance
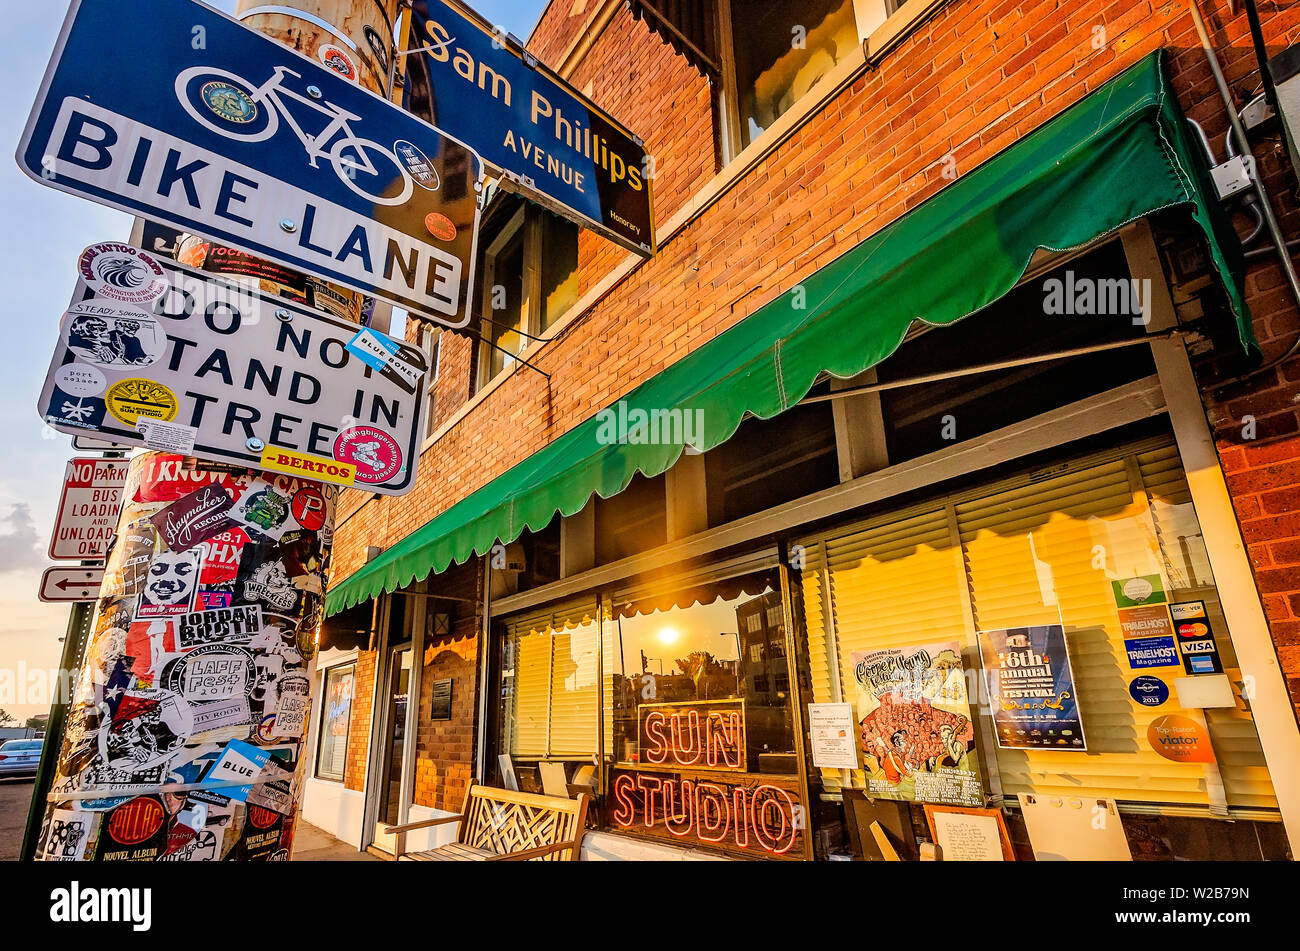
(20, 757)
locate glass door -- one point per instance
(390, 779)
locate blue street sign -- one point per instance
(170, 110)
(551, 141)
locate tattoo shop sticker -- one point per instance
(375, 454)
(337, 59)
(135, 399)
(114, 337)
(77, 379)
(122, 273)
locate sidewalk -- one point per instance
(311, 844)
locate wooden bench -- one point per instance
(498, 825)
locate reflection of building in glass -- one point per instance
(762, 650)
(765, 683)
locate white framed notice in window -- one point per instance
(834, 735)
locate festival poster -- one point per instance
(915, 728)
(1031, 689)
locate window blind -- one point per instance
(1038, 549)
(550, 678)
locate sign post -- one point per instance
(196, 651)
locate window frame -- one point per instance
(716, 572)
(431, 345)
(325, 674)
(730, 130)
(527, 224)
(517, 226)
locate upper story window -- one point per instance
(774, 52)
(431, 344)
(530, 280)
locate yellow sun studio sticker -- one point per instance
(313, 468)
(133, 400)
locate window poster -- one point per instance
(336, 721)
(1031, 689)
(918, 741)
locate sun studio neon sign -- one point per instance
(722, 814)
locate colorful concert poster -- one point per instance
(914, 723)
(1031, 689)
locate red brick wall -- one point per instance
(445, 748)
(363, 693)
(969, 82)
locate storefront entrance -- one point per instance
(394, 743)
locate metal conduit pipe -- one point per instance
(1265, 201)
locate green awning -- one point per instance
(1122, 153)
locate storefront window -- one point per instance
(703, 747)
(683, 698)
(550, 691)
(729, 646)
(1055, 634)
(336, 722)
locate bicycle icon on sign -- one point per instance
(235, 108)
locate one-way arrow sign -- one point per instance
(61, 585)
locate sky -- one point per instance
(41, 234)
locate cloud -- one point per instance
(18, 539)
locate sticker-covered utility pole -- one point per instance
(185, 739)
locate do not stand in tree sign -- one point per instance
(199, 366)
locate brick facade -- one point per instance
(445, 748)
(363, 694)
(971, 80)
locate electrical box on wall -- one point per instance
(1285, 69)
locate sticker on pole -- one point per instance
(252, 145)
(226, 374)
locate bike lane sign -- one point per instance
(210, 127)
